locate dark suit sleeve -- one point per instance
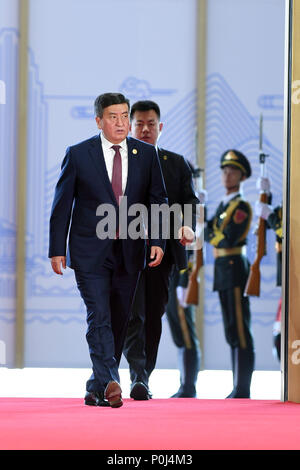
(157, 195)
(188, 195)
(62, 207)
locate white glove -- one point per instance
(202, 196)
(263, 210)
(181, 295)
(276, 328)
(263, 185)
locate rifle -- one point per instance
(192, 295)
(253, 283)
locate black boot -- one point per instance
(277, 345)
(189, 360)
(233, 367)
(243, 366)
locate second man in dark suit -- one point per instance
(151, 298)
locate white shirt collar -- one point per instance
(107, 144)
(230, 196)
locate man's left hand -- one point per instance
(157, 255)
(186, 235)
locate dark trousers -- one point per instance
(236, 318)
(183, 329)
(144, 329)
(237, 325)
(182, 322)
(108, 298)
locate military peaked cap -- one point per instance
(236, 158)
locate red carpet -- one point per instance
(167, 424)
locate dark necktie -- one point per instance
(116, 179)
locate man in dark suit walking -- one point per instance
(151, 298)
(97, 175)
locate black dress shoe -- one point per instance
(113, 394)
(185, 393)
(95, 399)
(239, 394)
(140, 391)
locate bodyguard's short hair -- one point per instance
(108, 99)
(145, 105)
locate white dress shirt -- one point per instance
(109, 154)
(230, 196)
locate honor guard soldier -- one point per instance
(227, 232)
(273, 216)
(275, 222)
(182, 318)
